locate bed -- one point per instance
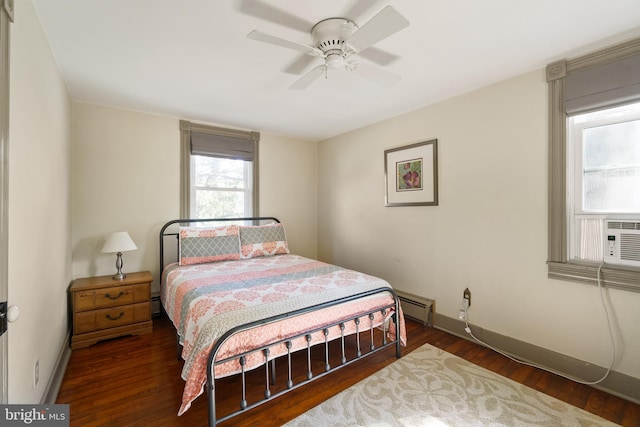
(239, 301)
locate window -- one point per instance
(581, 90)
(220, 187)
(603, 175)
(219, 172)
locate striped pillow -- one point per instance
(200, 245)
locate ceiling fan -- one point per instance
(335, 40)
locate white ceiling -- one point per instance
(191, 58)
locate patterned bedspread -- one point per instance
(205, 300)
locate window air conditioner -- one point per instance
(622, 242)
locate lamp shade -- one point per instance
(120, 241)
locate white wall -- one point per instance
(489, 232)
(126, 176)
(39, 198)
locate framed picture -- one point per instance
(411, 175)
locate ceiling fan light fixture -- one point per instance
(334, 61)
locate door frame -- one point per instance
(6, 18)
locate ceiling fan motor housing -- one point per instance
(330, 36)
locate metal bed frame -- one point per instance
(269, 368)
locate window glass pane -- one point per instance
(611, 168)
(220, 188)
(219, 204)
(214, 172)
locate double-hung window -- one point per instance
(603, 175)
(219, 172)
(594, 161)
(220, 187)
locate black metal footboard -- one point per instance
(391, 310)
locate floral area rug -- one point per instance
(430, 387)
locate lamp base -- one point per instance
(119, 275)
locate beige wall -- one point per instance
(126, 176)
(489, 232)
(39, 198)
(288, 189)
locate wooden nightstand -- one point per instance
(105, 308)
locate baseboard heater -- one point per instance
(417, 308)
(156, 305)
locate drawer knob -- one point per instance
(108, 316)
(114, 297)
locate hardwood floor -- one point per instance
(135, 381)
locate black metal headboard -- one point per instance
(164, 230)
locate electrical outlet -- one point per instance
(462, 315)
(467, 296)
(36, 373)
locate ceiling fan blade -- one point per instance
(257, 35)
(387, 22)
(299, 65)
(359, 8)
(379, 56)
(270, 13)
(306, 80)
(376, 75)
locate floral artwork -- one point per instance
(409, 175)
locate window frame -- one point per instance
(186, 128)
(559, 266)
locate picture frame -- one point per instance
(411, 174)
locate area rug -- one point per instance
(430, 387)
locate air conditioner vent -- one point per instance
(623, 225)
(630, 247)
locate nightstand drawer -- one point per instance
(111, 317)
(111, 297)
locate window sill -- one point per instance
(627, 279)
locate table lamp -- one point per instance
(119, 242)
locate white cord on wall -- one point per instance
(613, 347)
